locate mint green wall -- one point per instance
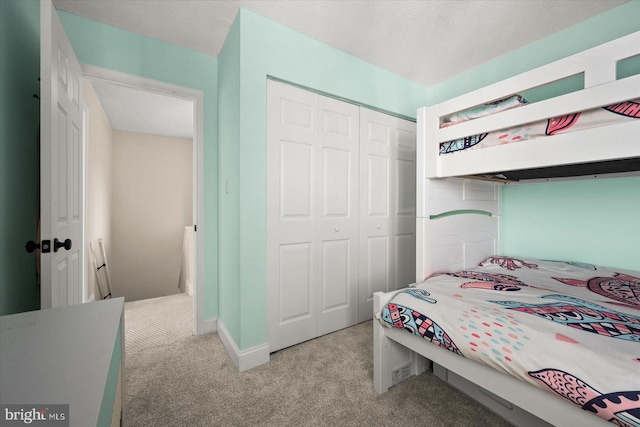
(19, 154)
(269, 49)
(109, 47)
(628, 67)
(591, 220)
(594, 221)
(228, 151)
(111, 386)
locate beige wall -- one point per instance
(99, 154)
(151, 205)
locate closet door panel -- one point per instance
(377, 261)
(375, 208)
(312, 215)
(404, 200)
(339, 139)
(336, 191)
(295, 180)
(377, 186)
(296, 282)
(387, 206)
(404, 259)
(335, 275)
(292, 215)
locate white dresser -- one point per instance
(69, 355)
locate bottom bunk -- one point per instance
(533, 340)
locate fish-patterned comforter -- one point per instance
(569, 328)
(610, 114)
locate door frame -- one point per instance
(95, 73)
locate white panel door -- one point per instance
(292, 215)
(387, 206)
(340, 212)
(312, 215)
(339, 138)
(62, 163)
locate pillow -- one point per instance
(483, 110)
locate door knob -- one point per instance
(57, 244)
(31, 246)
(44, 246)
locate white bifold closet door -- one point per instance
(387, 206)
(314, 220)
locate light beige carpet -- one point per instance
(157, 321)
(322, 382)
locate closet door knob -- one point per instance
(337, 229)
(379, 227)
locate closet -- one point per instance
(340, 212)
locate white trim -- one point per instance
(107, 75)
(208, 326)
(197, 97)
(243, 359)
(86, 297)
(198, 212)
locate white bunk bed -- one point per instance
(598, 65)
(457, 217)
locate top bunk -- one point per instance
(592, 127)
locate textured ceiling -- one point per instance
(133, 110)
(426, 41)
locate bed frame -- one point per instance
(599, 67)
(457, 218)
(459, 228)
(520, 403)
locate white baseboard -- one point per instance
(243, 359)
(207, 326)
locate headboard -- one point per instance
(456, 225)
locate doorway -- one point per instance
(179, 152)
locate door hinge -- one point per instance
(195, 228)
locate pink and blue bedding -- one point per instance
(571, 329)
(610, 114)
(483, 110)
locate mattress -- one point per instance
(571, 329)
(611, 114)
